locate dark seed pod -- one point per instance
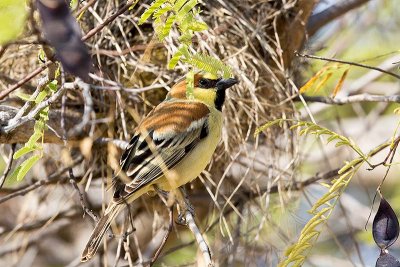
(385, 227)
(63, 33)
(387, 260)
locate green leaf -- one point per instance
(23, 151)
(182, 51)
(33, 139)
(198, 26)
(189, 84)
(73, 4)
(211, 65)
(178, 5)
(158, 13)
(13, 177)
(186, 38)
(175, 59)
(12, 19)
(26, 166)
(153, 7)
(39, 126)
(167, 27)
(40, 97)
(186, 9)
(52, 85)
(24, 96)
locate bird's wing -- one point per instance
(161, 141)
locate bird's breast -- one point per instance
(197, 160)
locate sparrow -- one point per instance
(171, 146)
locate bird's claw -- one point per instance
(182, 214)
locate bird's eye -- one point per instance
(203, 83)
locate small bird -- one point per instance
(171, 146)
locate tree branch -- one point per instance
(349, 63)
(352, 99)
(88, 35)
(23, 132)
(317, 21)
(51, 179)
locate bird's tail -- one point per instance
(99, 231)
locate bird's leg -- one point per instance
(126, 233)
(163, 195)
(184, 204)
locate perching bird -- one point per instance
(172, 145)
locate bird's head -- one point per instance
(207, 88)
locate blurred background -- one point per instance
(253, 200)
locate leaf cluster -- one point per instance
(34, 146)
(185, 15)
(296, 254)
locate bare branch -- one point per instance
(88, 108)
(349, 63)
(13, 124)
(165, 237)
(23, 131)
(191, 223)
(86, 210)
(37, 224)
(8, 166)
(51, 179)
(91, 33)
(317, 21)
(28, 77)
(352, 99)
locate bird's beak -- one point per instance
(224, 84)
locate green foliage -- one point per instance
(12, 19)
(34, 146)
(296, 254)
(184, 14)
(190, 84)
(317, 130)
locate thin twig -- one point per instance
(29, 104)
(165, 238)
(351, 99)
(27, 78)
(31, 115)
(320, 19)
(349, 63)
(71, 213)
(86, 210)
(88, 108)
(108, 20)
(191, 223)
(91, 33)
(8, 166)
(51, 179)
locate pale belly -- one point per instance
(196, 161)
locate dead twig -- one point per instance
(352, 99)
(86, 210)
(320, 19)
(8, 166)
(51, 179)
(88, 35)
(191, 223)
(349, 63)
(88, 108)
(166, 235)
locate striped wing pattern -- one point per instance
(161, 141)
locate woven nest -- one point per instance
(244, 34)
